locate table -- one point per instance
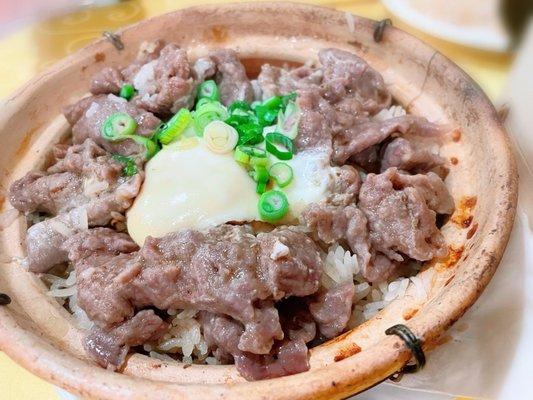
(34, 47)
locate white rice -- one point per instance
(184, 338)
(369, 298)
(391, 112)
(65, 289)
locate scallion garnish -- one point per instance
(281, 173)
(260, 188)
(239, 106)
(174, 127)
(209, 90)
(151, 147)
(220, 137)
(268, 110)
(259, 161)
(130, 168)
(288, 120)
(127, 91)
(208, 112)
(252, 151)
(118, 126)
(273, 142)
(273, 205)
(241, 157)
(260, 174)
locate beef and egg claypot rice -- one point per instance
(200, 216)
(217, 203)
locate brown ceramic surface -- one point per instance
(39, 334)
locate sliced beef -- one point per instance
(381, 268)
(285, 358)
(62, 186)
(275, 81)
(401, 214)
(222, 334)
(51, 194)
(351, 83)
(346, 184)
(85, 175)
(362, 136)
(107, 80)
(288, 357)
(331, 224)
(223, 270)
(165, 84)
(231, 77)
(148, 51)
(45, 239)
(104, 268)
(88, 115)
(296, 320)
(368, 159)
(332, 308)
(84, 179)
(408, 156)
(110, 346)
(204, 68)
(430, 186)
(288, 263)
(316, 119)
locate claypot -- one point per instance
(39, 334)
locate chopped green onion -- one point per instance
(239, 105)
(252, 151)
(273, 102)
(151, 147)
(250, 134)
(208, 112)
(260, 174)
(241, 157)
(238, 120)
(273, 205)
(288, 120)
(259, 161)
(274, 140)
(209, 90)
(282, 173)
(118, 126)
(127, 91)
(220, 137)
(268, 110)
(260, 188)
(130, 168)
(175, 126)
(200, 103)
(266, 116)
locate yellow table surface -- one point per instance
(33, 48)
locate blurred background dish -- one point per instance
(473, 23)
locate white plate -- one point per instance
(486, 34)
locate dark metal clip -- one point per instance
(380, 28)
(114, 39)
(414, 344)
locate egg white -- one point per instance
(189, 187)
